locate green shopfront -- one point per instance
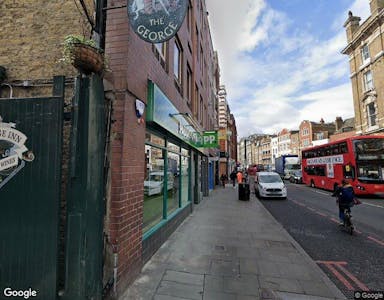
(172, 169)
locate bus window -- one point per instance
(343, 148)
(320, 171)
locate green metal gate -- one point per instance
(30, 193)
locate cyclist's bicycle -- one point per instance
(348, 226)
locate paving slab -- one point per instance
(235, 250)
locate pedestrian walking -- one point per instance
(233, 176)
(223, 179)
(239, 177)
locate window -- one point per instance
(201, 113)
(153, 187)
(305, 131)
(160, 51)
(189, 85)
(161, 48)
(320, 135)
(368, 81)
(196, 102)
(365, 53)
(371, 114)
(177, 63)
(174, 182)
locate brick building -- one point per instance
(310, 131)
(156, 168)
(365, 50)
(176, 80)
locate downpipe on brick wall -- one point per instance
(115, 260)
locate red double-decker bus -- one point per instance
(358, 159)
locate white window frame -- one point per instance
(371, 117)
(368, 81)
(161, 48)
(177, 60)
(365, 56)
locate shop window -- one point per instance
(153, 187)
(173, 194)
(154, 139)
(184, 180)
(173, 147)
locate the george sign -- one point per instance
(156, 21)
(13, 152)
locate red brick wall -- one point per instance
(132, 63)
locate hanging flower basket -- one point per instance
(83, 54)
(87, 59)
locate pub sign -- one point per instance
(156, 21)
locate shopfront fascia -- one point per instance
(172, 169)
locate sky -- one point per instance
(281, 61)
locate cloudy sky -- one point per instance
(280, 60)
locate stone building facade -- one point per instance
(366, 55)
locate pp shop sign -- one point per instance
(156, 21)
(210, 139)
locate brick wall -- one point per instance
(133, 62)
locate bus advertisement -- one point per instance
(359, 160)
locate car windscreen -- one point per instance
(269, 178)
(154, 177)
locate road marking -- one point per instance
(340, 277)
(374, 205)
(376, 240)
(361, 285)
(323, 193)
(321, 214)
(334, 220)
(310, 208)
(334, 265)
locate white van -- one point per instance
(154, 183)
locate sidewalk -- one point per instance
(230, 249)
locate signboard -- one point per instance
(162, 112)
(156, 21)
(330, 171)
(210, 139)
(335, 159)
(13, 152)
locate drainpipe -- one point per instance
(115, 261)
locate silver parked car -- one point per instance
(269, 184)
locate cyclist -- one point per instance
(345, 199)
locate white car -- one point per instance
(154, 183)
(270, 184)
